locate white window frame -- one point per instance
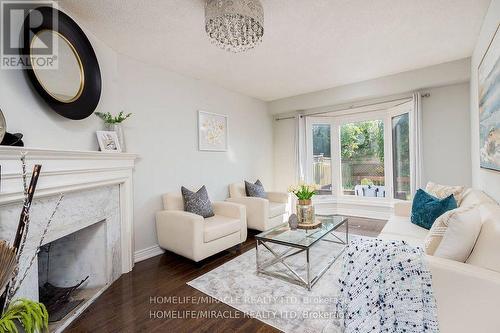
(397, 111)
(310, 121)
(349, 117)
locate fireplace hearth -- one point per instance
(59, 301)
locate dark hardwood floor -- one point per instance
(140, 300)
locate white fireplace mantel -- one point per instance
(70, 171)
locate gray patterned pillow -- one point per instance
(255, 190)
(197, 202)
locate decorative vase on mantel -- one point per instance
(305, 211)
(118, 129)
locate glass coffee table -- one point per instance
(297, 242)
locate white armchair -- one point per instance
(262, 214)
(194, 237)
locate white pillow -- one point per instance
(460, 237)
(486, 252)
(444, 191)
(440, 226)
(471, 197)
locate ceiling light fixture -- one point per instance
(234, 25)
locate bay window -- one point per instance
(401, 156)
(362, 154)
(362, 158)
(322, 158)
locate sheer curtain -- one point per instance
(300, 147)
(418, 159)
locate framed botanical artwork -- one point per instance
(108, 141)
(489, 105)
(212, 131)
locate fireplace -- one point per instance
(71, 270)
(91, 233)
(84, 239)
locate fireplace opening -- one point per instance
(59, 301)
(71, 270)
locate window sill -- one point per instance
(331, 199)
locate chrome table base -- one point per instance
(308, 281)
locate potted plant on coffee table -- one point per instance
(305, 208)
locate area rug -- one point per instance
(281, 304)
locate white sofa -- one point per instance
(467, 296)
(262, 214)
(195, 237)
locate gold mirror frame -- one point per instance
(80, 65)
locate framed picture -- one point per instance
(108, 141)
(489, 105)
(212, 131)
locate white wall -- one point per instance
(445, 122)
(446, 135)
(487, 180)
(434, 76)
(163, 131)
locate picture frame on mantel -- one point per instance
(108, 141)
(489, 101)
(212, 131)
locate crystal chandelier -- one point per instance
(234, 25)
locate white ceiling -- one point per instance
(308, 45)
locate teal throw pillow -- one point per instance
(427, 208)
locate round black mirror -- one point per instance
(3, 126)
(63, 66)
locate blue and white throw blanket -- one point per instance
(386, 287)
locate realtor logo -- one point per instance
(17, 32)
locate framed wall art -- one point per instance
(212, 131)
(489, 105)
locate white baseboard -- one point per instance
(147, 253)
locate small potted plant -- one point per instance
(20, 315)
(305, 208)
(114, 123)
(24, 315)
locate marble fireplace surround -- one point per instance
(97, 188)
